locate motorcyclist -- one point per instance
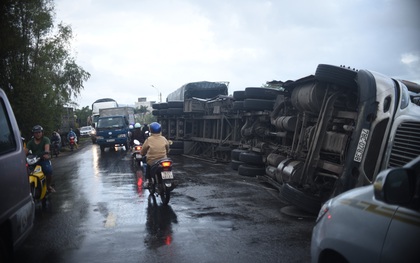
(72, 134)
(137, 134)
(155, 147)
(145, 130)
(56, 139)
(40, 145)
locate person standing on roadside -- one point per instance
(40, 145)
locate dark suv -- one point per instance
(17, 208)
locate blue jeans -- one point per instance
(46, 167)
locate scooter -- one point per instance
(136, 155)
(72, 142)
(162, 179)
(37, 179)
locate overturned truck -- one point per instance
(313, 138)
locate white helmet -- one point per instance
(130, 127)
(137, 125)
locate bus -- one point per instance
(101, 104)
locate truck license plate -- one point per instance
(110, 140)
(167, 175)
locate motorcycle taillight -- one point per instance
(166, 164)
(137, 148)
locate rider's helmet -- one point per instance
(130, 126)
(137, 125)
(37, 128)
(155, 127)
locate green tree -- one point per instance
(82, 115)
(37, 71)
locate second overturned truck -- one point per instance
(314, 137)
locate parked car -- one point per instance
(17, 208)
(86, 131)
(376, 223)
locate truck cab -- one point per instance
(112, 131)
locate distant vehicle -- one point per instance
(113, 131)
(128, 112)
(17, 207)
(101, 104)
(86, 131)
(375, 223)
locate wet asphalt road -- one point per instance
(99, 214)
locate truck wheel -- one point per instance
(291, 194)
(336, 75)
(251, 170)
(234, 154)
(261, 93)
(258, 104)
(251, 158)
(239, 95)
(235, 164)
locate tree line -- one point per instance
(37, 70)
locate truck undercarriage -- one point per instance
(313, 138)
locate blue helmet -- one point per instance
(155, 127)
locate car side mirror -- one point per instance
(395, 186)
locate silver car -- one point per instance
(375, 223)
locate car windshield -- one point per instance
(110, 122)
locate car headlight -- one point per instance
(325, 208)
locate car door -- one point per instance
(402, 242)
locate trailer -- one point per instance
(312, 138)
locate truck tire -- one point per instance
(251, 170)
(175, 104)
(251, 158)
(291, 194)
(336, 75)
(238, 105)
(239, 95)
(234, 154)
(261, 93)
(235, 164)
(258, 104)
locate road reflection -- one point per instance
(159, 220)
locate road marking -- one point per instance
(110, 220)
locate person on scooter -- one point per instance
(155, 147)
(40, 145)
(145, 130)
(56, 140)
(137, 134)
(72, 134)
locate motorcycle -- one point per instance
(37, 179)
(72, 142)
(162, 179)
(136, 155)
(55, 148)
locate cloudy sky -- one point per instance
(140, 48)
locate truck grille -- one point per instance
(406, 145)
